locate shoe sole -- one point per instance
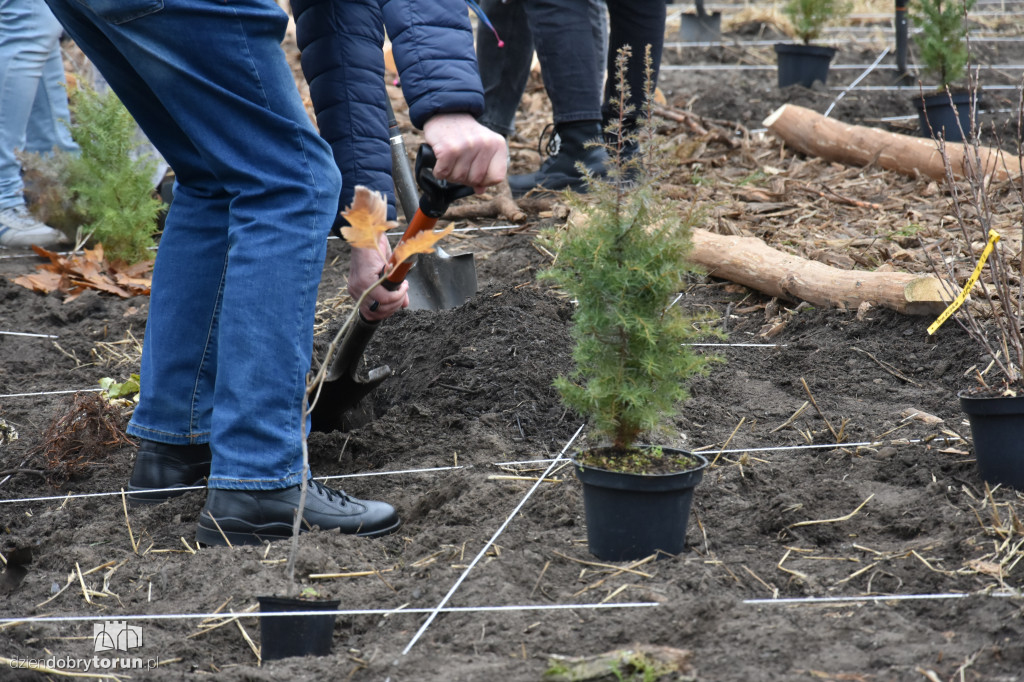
(577, 185)
(218, 537)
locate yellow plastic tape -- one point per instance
(993, 237)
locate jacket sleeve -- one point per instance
(343, 62)
(433, 49)
(341, 42)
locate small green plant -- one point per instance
(942, 40)
(809, 17)
(624, 262)
(111, 182)
(755, 178)
(123, 393)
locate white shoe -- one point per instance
(19, 229)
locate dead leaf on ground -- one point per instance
(72, 274)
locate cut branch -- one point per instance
(752, 263)
(811, 133)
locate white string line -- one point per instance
(882, 597)
(557, 460)
(858, 79)
(834, 42)
(836, 67)
(73, 496)
(487, 546)
(476, 228)
(832, 446)
(914, 89)
(41, 336)
(740, 345)
(471, 228)
(26, 395)
(346, 612)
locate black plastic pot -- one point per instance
(631, 516)
(946, 118)
(803, 64)
(287, 636)
(997, 429)
(694, 28)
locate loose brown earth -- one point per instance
(895, 515)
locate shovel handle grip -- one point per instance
(420, 222)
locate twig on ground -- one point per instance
(820, 413)
(849, 516)
(127, 522)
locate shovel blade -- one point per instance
(342, 389)
(340, 406)
(441, 281)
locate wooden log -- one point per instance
(751, 262)
(811, 133)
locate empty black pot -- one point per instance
(287, 636)
(803, 64)
(946, 115)
(631, 516)
(997, 429)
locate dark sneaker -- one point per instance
(160, 466)
(248, 517)
(569, 145)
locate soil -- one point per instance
(842, 469)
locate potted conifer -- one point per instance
(942, 42)
(804, 63)
(623, 261)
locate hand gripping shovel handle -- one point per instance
(341, 390)
(437, 196)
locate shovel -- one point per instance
(341, 390)
(439, 281)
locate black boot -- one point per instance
(163, 471)
(248, 517)
(568, 145)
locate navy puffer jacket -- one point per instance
(342, 59)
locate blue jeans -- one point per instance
(229, 335)
(33, 100)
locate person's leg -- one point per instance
(229, 334)
(564, 36)
(564, 39)
(599, 26)
(636, 23)
(50, 121)
(28, 34)
(505, 70)
(229, 338)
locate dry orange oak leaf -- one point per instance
(420, 243)
(367, 217)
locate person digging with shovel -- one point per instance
(229, 334)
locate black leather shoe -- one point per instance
(248, 517)
(161, 465)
